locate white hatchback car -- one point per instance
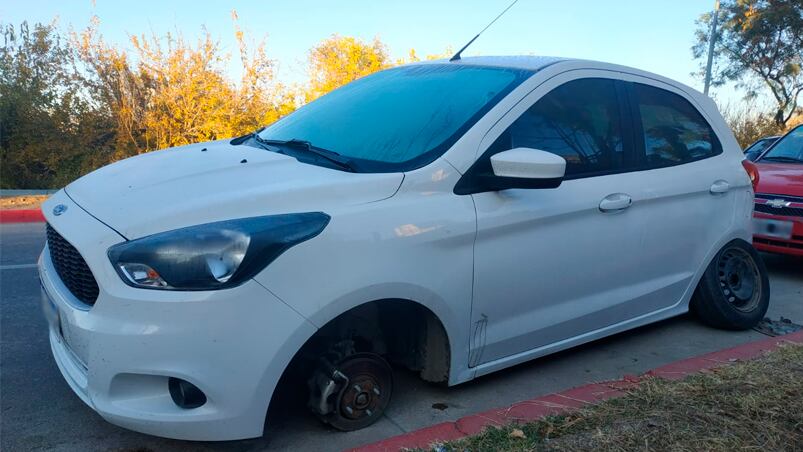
(454, 218)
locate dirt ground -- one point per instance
(22, 202)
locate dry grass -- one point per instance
(23, 202)
(754, 405)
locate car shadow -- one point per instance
(782, 264)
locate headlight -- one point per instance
(214, 255)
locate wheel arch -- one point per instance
(741, 235)
(281, 370)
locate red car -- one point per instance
(778, 215)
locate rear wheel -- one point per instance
(734, 291)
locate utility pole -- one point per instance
(712, 39)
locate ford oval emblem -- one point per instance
(59, 209)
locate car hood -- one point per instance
(215, 181)
(780, 178)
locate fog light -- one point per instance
(185, 394)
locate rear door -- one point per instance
(686, 197)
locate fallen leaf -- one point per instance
(517, 433)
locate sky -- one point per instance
(654, 35)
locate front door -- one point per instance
(551, 264)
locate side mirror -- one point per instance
(526, 163)
(526, 168)
(516, 168)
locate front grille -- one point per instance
(71, 268)
(776, 196)
(795, 211)
(778, 243)
(783, 211)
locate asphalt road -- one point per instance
(39, 411)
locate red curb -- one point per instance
(680, 369)
(21, 216)
(445, 431)
(471, 425)
(530, 410)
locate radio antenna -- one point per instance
(457, 55)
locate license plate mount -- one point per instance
(768, 227)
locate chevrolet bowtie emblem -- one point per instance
(778, 203)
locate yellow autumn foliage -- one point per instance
(339, 60)
(342, 59)
(160, 91)
(172, 92)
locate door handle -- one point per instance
(616, 202)
(720, 186)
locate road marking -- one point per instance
(17, 267)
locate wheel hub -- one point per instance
(738, 279)
(354, 392)
(361, 398)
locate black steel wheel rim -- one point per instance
(739, 279)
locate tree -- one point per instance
(749, 125)
(412, 56)
(759, 42)
(47, 122)
(173, 92)
(261, 100)
(342, 59)
(117, 88)
(189, 98)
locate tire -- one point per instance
(734, 292)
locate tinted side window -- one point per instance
(578, 120)
(674, 131)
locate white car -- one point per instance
(454, 218)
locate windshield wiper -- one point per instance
(296, 144)
(244, 138)
(782, 158)
(303, 145)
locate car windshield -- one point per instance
(787, 149)
(759, 145)
(398, 119)
(754, 150)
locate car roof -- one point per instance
(530, 62)
(535, 63)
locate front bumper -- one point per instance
(792, 246)
(117, 355)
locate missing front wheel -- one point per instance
(352, 392)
